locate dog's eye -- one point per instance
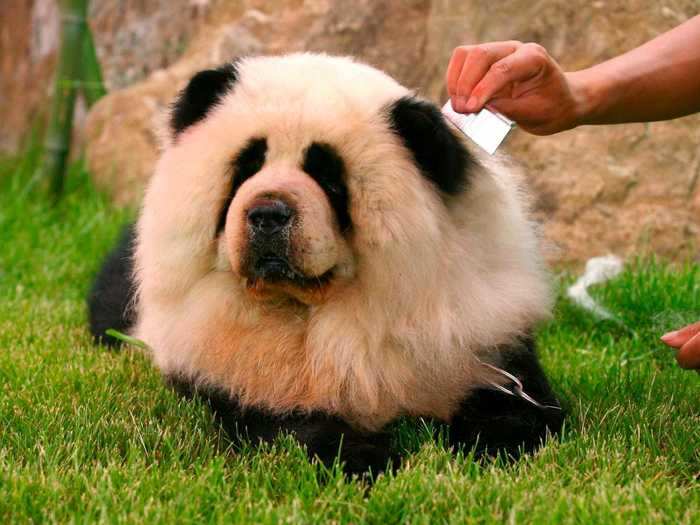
(247, 163)
(250, 166)
(333, 188)
(250, 160)
(323, 163)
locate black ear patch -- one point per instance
(202, 93)
(442, 158)
(326, 167)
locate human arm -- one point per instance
(656, 81)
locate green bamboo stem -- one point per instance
(68, 75)
(93, 85)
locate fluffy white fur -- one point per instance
(426, 286)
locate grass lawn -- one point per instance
(89, 435)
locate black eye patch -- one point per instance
(325, 166)
(247, 163)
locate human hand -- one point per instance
(518, 80)
(687, 341)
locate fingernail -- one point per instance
(461, 102)
(667, 337)
(472, 104)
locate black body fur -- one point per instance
(494, 422)
(489, 421)
(324, 436)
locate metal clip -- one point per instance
(517, 387)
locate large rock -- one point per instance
(28, 42)
(623, 189)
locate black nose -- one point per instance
(269, 217)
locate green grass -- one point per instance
(90, 435)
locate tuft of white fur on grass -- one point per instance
(598, 270)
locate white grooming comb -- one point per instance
(486, 128)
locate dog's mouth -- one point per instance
(271, 271)
(274, 268)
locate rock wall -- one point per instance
(28, 41)
(623, 189)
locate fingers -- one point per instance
(680, 337)
(469, 64)
(527, 62)
(689, 354)
(454, 70)
(687, 340)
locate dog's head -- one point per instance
(301, 169)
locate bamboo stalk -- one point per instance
(68, 74)
(93, 85)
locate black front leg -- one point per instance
(493, 421)
(324, 436)
(110, 301)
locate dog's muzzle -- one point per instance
(269, 224)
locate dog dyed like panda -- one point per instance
(320, 252)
